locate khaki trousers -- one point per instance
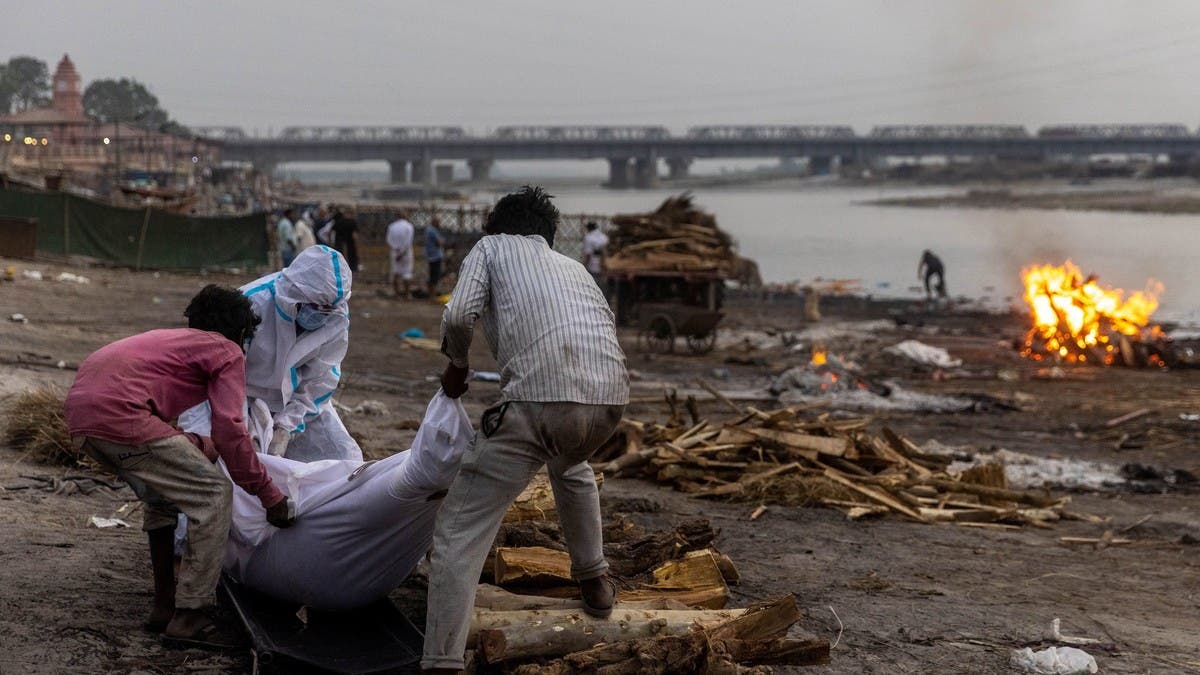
(515, 440)
(171, 476)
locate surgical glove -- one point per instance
(279, 441)
(280, 515)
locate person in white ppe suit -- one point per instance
(293, 362)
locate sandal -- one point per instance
(199, 638)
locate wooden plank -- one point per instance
(836, 447)
(876, 494)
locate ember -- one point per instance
(1076, 320)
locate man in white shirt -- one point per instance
(563, 389)
(595, 242)
(400, 240)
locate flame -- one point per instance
(1076, 317)
(818, 357)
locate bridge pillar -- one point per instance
(618, 173)
(677, 167)
(422, 171)
(481, 170)
(820, 166)
(397, 171)
(645, 173)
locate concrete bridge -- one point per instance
(634, 153)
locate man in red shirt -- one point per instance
(120, 411)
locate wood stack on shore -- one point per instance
(778, 457)
(676, 237)
(671, 614)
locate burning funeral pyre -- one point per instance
(1076, 320)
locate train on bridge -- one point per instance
(559, 133)
(635, 152)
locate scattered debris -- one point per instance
(35, 423)
(779, 457)
(33, 275)
(18, 318)
(370, 407)
(1055, 661)
(97, 521)
(73, 278)
(413, 333)
(422, 343)
(924, 354)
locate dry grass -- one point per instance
(34, 423)
(796, 491)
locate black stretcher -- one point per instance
(374, 639)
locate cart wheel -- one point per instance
(659, 334)
(702, 344)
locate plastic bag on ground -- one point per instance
(922, 353)
(1055, 661)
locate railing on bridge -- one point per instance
(581, 133)
(950, 131)
(769, 132)
(409, 133)
(1114, 131)
(219, 133)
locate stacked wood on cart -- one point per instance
(671, 616)
(786, 457)
(665, 273)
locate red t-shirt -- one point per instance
(127, 391)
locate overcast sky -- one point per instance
(272, 63)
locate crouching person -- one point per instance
(564, 387)
(119, 411)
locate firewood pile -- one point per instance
(779, 457)
(671, 614)
(677, 237)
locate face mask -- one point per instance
(309, 317)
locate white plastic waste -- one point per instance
(74, 278)
(1055, 661)
(34, 275)
(920, 352)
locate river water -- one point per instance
(828, 232)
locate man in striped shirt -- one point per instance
(564, 387)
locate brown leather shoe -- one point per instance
(599, 595)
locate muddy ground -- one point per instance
(897, 597)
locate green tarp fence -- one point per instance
(148, 237)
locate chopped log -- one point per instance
(521, 635)
(536, 502)
(738, 487)
(695, 580)
(876, 494)
(532, 566)
(757, 635)
(991, 492)
(836, 447)
(634, 557)
(1127, 417)
(497, 599)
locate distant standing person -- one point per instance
(285, 232)
(400, 240)
(345, 238)
(435, 252)
(932, 266)
(305, 237)
(595, 243)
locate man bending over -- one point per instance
(119, 411)
(564, 387)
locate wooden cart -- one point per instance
(665, 305)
